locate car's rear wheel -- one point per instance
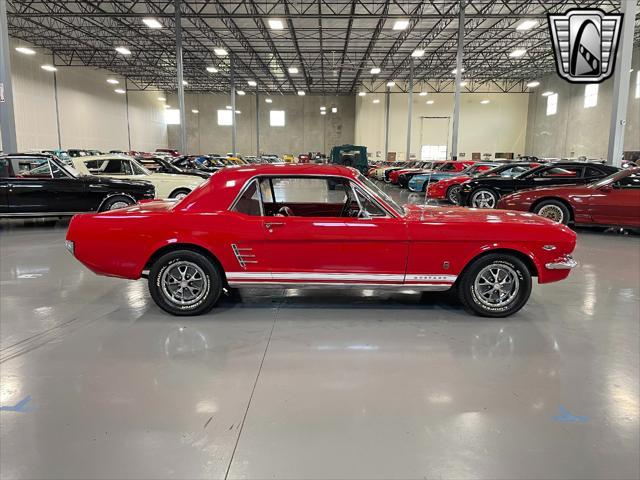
(495, 285)
(184, 282)
(180, 193)
(483, 198)
(553, 210)
(453, 194)
(116, 202)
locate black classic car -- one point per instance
(484, 191)
(161, 165)
(41, 185)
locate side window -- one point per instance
(593, 173)
(369, 206)
(249, 201)
(309, 190)
(561, 173)
(32, 168)
(630, 182)
(5, 171)
(56, 171)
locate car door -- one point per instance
(5, 174)
(617, 203)
(318, 232)
(554, 175)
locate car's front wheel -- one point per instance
(553, 210)
(116, 202)
(180, 193)
(495, 285)
(483, 198)
(184, 282)
(453, 194)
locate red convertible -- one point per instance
(319, 226)
(611, 201)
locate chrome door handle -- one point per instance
(273, 224)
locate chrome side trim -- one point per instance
(566, 263)
(434, 287)
(243, 258)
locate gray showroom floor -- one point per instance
(97, 382)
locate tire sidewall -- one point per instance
(496, 197)
(470, 297)
(107, 205)
(213, 277)
(566, 214)
(450, 190)
(179, 191)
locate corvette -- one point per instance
(612, 201)
(419, 183)
(319, 226)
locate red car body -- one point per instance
(612, 201)
(422, 247)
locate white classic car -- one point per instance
(167, 185)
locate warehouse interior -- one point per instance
(344, 379)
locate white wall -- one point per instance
(499, 126)
(574, 130)
(91, 114)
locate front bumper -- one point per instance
(566, 262)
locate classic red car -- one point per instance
(611, 201)
(319, 226)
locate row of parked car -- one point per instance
(581, 193)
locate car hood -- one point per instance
(175, 178)
(116, 182)
(446, 214)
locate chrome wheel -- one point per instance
(453, 195)
(120, 204)
(483, 199)
(184, 283)
(496, 285)
(552, 212)
(180, 196)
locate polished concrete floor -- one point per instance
(97, 382)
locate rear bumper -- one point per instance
(565, 262)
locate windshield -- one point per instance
(374, 188)
(604, 181)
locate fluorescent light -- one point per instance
(238, 112)
(26, 50)
(401, 25)
(375, 70)
(275, 24)
(519, 52)
(484, 102)
(463, 83)
(547, 93)
(293, 70)
(120, 90)
(184, 82)
(268, 100)
(162, 99)
(429, 102)
(195, 111)
(323, 108)
(455, 70)
(362, 94)
(212, 70)
(229, 107)
(123, 50)
(151, 23)
(527, 25)
(390, 84)
(252, 83)
(377, 100)
(301, 93)
(219, 51)
(418, 52)
(533, 84)
(323, 112)
(334, 109)
(112, 81)
(240, 92)
(423, 94)
(48, 68)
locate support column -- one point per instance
(257, 122)
(409, 110)
(180, 79)
(232, 81)
(456, 96)
(387, 107)
(55, 96)
(126, 101)
(620, 98)
(7, 115)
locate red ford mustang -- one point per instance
(319, 226)
(611, 201)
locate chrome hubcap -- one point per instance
(454, 193)
(119, 205)
(552, 212)
(497, 285)
(184, 283)
(180, 196)
(483, 199)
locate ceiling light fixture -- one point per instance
(184, 82)
(334, 109)
(112, 81)
(429, 102)
(293, 70)
(547, 93)
(221, 52)
(229, 107)
(527, 25)
(212, 70)
(162, 99)
(533, 84)
(123, 50)
(375, 71)
(362, 94)
(240, 92)
(48, 68)
(484, 102)
(423, 94)
(455, 70)
(275, 24)
(152, 23)
(390, 84)
(252, 83)
(463, 83)
(418, 52)
(377, 100)
(120, 91)
(268, 100)
(323, 112)
(323, 108)
(519, 52)
(301, 93)
(401, 25)
(195, 111)
(238, 112)
(26, 50)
